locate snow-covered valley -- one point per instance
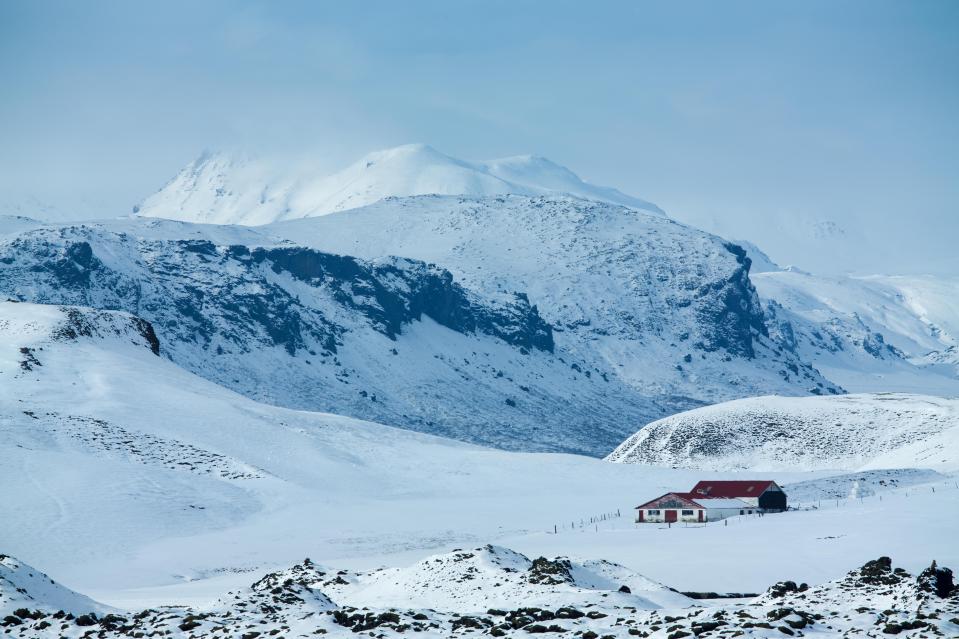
(142, 485)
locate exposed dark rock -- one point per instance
(544, 571)
(938, 580)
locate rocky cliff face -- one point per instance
(240, 298)
(394, 340)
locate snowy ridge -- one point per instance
(35, 326)
(851, 432)
(309, 330)
(220, 188)
(873, 601)
(878, 586)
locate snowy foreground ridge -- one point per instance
(493, 591)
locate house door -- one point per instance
(671, 515)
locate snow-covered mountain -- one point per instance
(222, 188)
(666, 308)
(394, 340)
(562, 350)
(849, 432)
(880, 333)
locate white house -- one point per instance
(714, 500)
(669, 508)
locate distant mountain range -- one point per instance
(506, 303)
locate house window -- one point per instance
(652, 512)
(742, 512)
(687, 513)
(750, 512)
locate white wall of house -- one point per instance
(658, 515)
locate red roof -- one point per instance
(685, 498)
(731, 489)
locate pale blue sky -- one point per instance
(775, 122)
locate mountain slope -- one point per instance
(234, 189)
(850, 432)
(667, 309)
(394, 340)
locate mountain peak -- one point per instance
(233, 188)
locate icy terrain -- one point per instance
(222, 188)
(850, 432)
(154, 472)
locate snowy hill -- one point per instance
(220, 188)
(850, 432)
(478, 579)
